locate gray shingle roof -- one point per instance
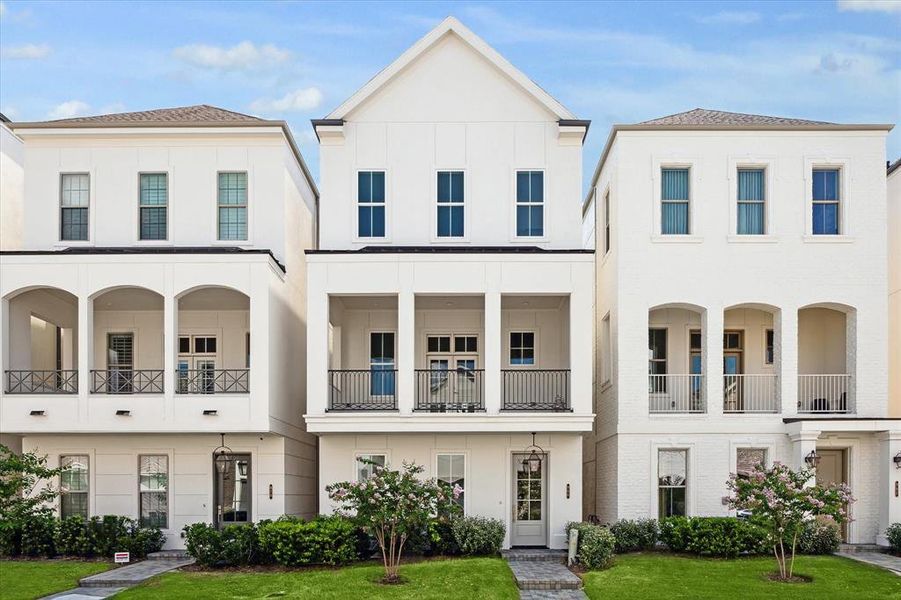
(201, 113)
(706, 117)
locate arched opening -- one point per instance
(213, 345)
(826, 358)
(128, 342)
(41, 348)
(751, 359)
(677, 358)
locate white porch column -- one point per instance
(712, 351)
(170, 343)
(4, 340)
(785, 355)
(581, 361)
(803, 443)
(85, 351)
(492, 352)
(317, 344)
(406, 339)
(889, 482)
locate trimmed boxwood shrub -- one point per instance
(329, 540)
(893, 533)
(820, 536)
(231, 546)
(713, 536)
(634, 536)
(479, 535)
(97, 537)
(595, 548)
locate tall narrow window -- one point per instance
(674, 202)
(656, 361)
(607, 222)
(826, 198)
(451, 470)
(232, 206)
(381, 363)
(371, 204)
(529, 203)
(747, 460)
(154, 203)
(450, 204)
(606, 350)
(73, 499)
(522, 348)
(366, 464)
(751, 202)
(769, 353)
(672, 481)
(153, 486)
(75, 198)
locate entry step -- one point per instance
(535, 554)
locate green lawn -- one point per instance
(637, 576)
(27, 579)
(482, 578)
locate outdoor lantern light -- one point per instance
(897, 460)
(812, 459)
(533, 462)
(222, 456)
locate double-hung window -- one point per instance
(751, 202)
(232, 206)
(381, 363)
(450, 204)
(73, 499)
(153, 206)
(75, 198)
(529, 203)
(451, 470)
(672, 482)
(153, 486)
(371, 204)
(826, 198)
(674, 201)
(366, 464)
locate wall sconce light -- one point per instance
(567, 491)
(897, 460)
(812, 459)
(123, 413)
(270, 491)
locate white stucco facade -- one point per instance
(894, 288)
(700, 307)
(117, 348)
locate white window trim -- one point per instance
(137, 229)
(60, 242)
(769, 177)
(466, 471)
(250, 204)
(691, 467)
(389, 206)
(845, 223)
(545, 213)
(694, 181)
(358, 453)
(506, 344)
(168, 455)
(463, 239)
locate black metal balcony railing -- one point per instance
(362, 389)
(535, 389)
(19, 381)
(443, 390)
(127, 381)
(212, 381)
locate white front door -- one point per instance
(529, 503)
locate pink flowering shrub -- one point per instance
(393, 505)
(784, 501)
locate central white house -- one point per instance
(450, 304)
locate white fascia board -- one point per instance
(447, 423)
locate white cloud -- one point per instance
(243, 56)
(69, 109)
(26, 52)
(870, 5)
(298, 100)
(728, 17)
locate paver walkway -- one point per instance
(104, 585)
(542, 575)
(880, 559)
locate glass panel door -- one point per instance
(233, 491)
(120, 362)
(529, 505)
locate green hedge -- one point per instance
(893, 533)
(596, 545)
(634, 536)
(713, 536)
(43, 535)
(478, 535)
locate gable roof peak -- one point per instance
(450, 24)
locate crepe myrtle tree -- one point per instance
(392, 505)
(784, 500)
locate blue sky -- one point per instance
(608, 62)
